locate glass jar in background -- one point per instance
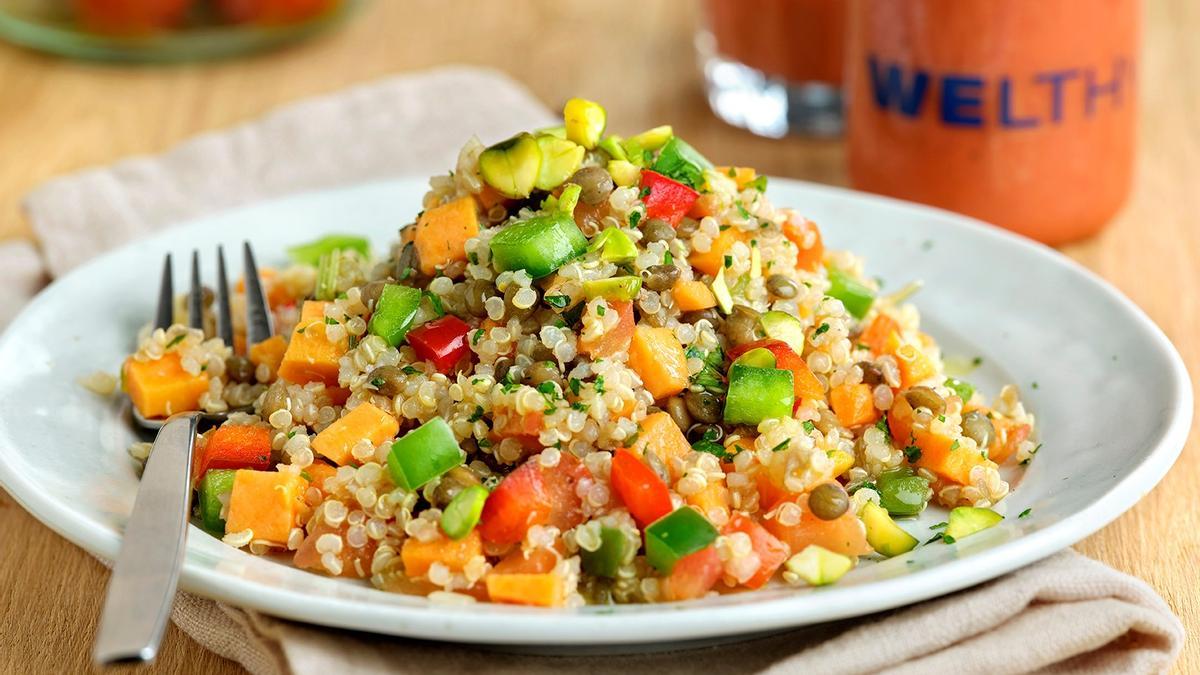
(1018, 112)
(775, 66)
(164, 30)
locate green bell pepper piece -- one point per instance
(756, 394)
(964, 389)
(423, 454)
(606, 560)
(902, 493)
(310, 253)
(675, 536)
(854, 295)
(681, 162)
(394, 313)
(539, 245)
(462, 513)
(614, 288)
(216, 482)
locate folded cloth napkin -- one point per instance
(1065, 614)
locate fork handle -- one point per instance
(141, 589)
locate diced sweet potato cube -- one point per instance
(161, 388)
(660, 435)
(442, 234)
(267, 503)
(542, 590)
(364, 422)
(269, 351)
(693, 295)
(310, 356)
(418, 556)
(656, 355)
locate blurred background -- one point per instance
(1074, 121)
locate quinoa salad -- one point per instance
(592, 369)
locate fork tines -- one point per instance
(258, 315)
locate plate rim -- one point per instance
(689, 620)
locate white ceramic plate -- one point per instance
(1113, 402)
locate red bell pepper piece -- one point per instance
(693, 576)
(533, 495)
(771, 552)
(443, 342)
(667, 199)
(235, 447)
(644, 493)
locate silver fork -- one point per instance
(141, 589)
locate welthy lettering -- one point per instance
(971, 100)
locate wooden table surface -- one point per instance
(57, 116)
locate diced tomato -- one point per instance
(693, 576)
(1014, 435)
(533, 495)
(806, 385)
(844, 534)
(667, 199)
(524, 428)
(616, 340)
(307, 557)
(644, 493)
(234, 447)
(770, 550)
(442, 342)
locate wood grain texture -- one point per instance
(57, 116)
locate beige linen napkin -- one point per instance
(1066, 614)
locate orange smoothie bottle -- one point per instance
(1018, 112)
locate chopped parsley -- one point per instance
(477, 415)
(732, 172)
(601, 310)
(330, 322)
(809, 427)
(634, 218)
(547, 387)
(1034, 385)
(436, 302)
(728, 261)
(954, 445)
(473, 257)
(558, 301)
(410, 370)
(712, 448)
(759, 183)
(1025, 513)
(927, 245)
(882, 425)
(306, 476)
(939, 526)
(942, 418)
(599, 386)
(668, 259)
(301, 329)
(643, 193)
(912, 453)
(580, 406)
(783, 444)
(977, 361)
(408, 272)
(378, 382)
(742, 210)
(507, 384)
(179, 338)
(477, 337)
(823, 328)
(865, 486)
(574, 383)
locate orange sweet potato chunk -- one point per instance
(693, 295)
(161, 388)
(266, 503)
(418, 556)
(660, 435)
(656, 355)
(442, 233)
(310, 356)
(364, 422)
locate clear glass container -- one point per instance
(774, 67)
(164, 30)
